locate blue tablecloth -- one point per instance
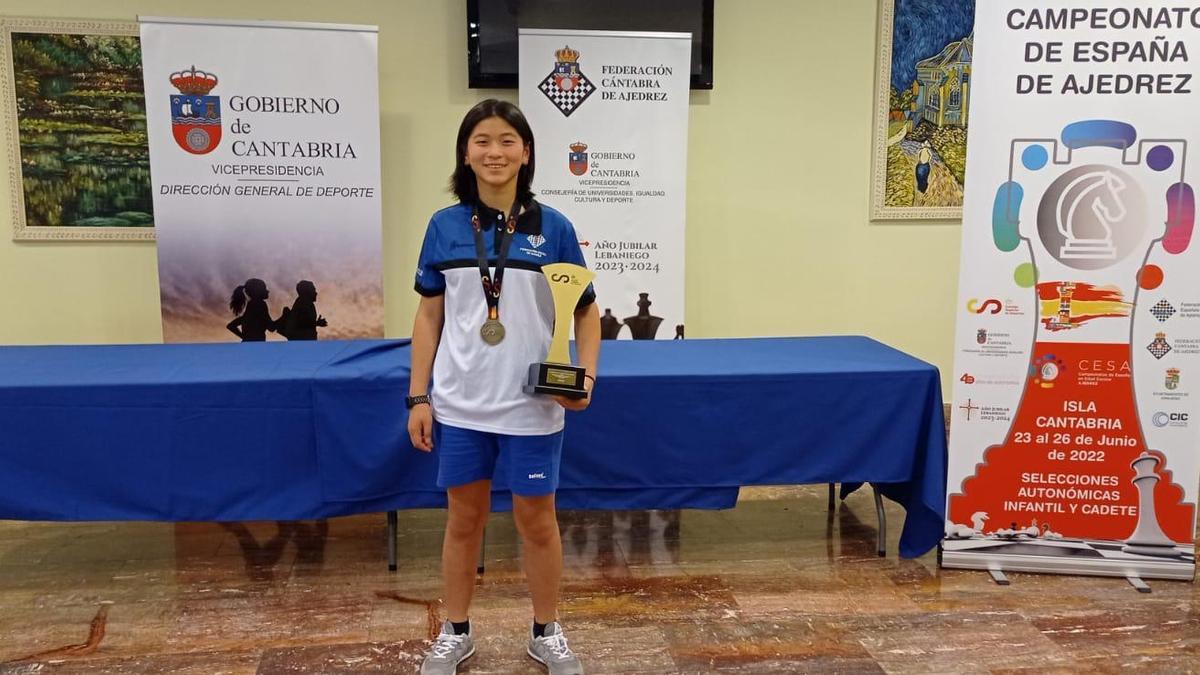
(305, 430)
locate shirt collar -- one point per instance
(529, 222)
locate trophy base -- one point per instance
(556, 379)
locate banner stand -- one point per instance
(609, 112)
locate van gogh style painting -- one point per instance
(922, 107)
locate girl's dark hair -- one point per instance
(462, 181)
(255, 287)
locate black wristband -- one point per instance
(592, 377)
(410, 401)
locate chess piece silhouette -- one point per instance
(643, 326)
(610, 326)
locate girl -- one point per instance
(485, 315)
(252, 324)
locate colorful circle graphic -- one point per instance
(1150, 277)
(1034, 157)
(1160, 158)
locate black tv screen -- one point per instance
(492, 30)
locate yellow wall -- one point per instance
(779, 160)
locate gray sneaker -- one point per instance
(447, 652)
(551, 650)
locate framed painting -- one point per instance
(922, 108)
(74, 125)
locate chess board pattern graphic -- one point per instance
(566, 101)
(1159, 347)
(1162, 310)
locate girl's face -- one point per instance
(496, 153)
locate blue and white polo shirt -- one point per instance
(476, 385)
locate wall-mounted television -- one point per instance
(492, 30)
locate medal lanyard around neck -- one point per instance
(491, 286)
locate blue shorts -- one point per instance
(528, 464)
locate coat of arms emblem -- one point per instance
(566, 87)
(577, 161)
(195, 116)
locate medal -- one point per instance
(492, 331)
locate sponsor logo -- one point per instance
(541, 475)
(981, 336)
(989, 379)
(536, 240)
(566, 86)
(989, 306)
(1045, 370)
(1165, 419)
(195, 116)
(577, 159)
(1160, 346)
(968, 409)
(1172, 382)
(1162, 310)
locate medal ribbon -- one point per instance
(492, 285)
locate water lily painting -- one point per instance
(75, 130)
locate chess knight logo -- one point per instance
(566, 87)
(578, 158)
(195, 116)
(1172, 382)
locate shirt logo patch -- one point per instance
(536, 240)
(541, 475)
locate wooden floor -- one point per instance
(774, 585)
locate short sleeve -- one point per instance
(430, 281)
(571, 252)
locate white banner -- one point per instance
(264, 158)
(1073, 443)
(609, 113)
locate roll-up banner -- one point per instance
(609, 112)
(1073, 445)
(264, 159)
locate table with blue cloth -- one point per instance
(308, 430)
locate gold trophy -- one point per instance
(556, 375)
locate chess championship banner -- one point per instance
(1073, 445)
(264, 159)
(609, 112)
